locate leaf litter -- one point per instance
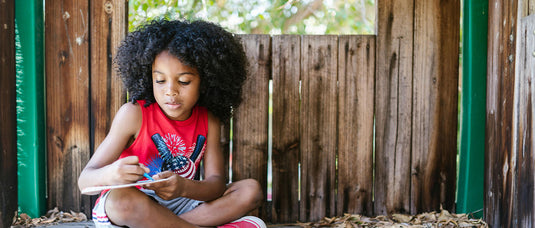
(424, 220)
(52, 217)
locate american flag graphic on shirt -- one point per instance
(172, 153)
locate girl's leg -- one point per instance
(133, 208)
(239, 198)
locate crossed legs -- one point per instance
(133, 208)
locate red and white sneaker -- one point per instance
(245, 222)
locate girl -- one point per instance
(183, 78)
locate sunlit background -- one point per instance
(264, 16)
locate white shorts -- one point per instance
(178, 206)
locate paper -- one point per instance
(98, 189)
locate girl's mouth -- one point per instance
(173, 105)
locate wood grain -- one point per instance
(108, 28)
(250, 122)
(318, 126)
(393, 99)
(356, 85)
(523, 127)
(225, 148)
(67, 83)
(286, 138)
(434, 105)
(526, 7)
(8, 116)
(499, 159)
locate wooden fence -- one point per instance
(83, 92)
(319, 115)
(510, 154)
(361, 124)
(8, 117)
(523, 177)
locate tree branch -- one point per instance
(302, 14)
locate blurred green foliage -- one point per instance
(264, 16)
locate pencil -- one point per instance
(147, 176)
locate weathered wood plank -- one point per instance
(250, 123)
(526, 7)
(523, 128)
(108, 27)
(500, 86)
(67, 83)
(434, 105)
(527, 162)
(8, 116)
(225, 147)
(356, 79)
(318, 126)
(285, 156)
(393, 100)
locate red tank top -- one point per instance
(165, 144)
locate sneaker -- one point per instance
(245, 222)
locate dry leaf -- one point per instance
(24, 216)
(444, 216)
(402, 218)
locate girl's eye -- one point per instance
(183, 83)
(159, 81)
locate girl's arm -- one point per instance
(214, 184)
(103, 168)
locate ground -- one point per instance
(56, 218)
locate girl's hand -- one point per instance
(169, 189)
(126, 170)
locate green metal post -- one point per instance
(474, 81)
(30, 107)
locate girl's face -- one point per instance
(175, 85)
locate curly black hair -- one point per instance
(217, 55)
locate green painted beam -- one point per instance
(31, 155)
(470, 191)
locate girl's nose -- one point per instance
(172, 90)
